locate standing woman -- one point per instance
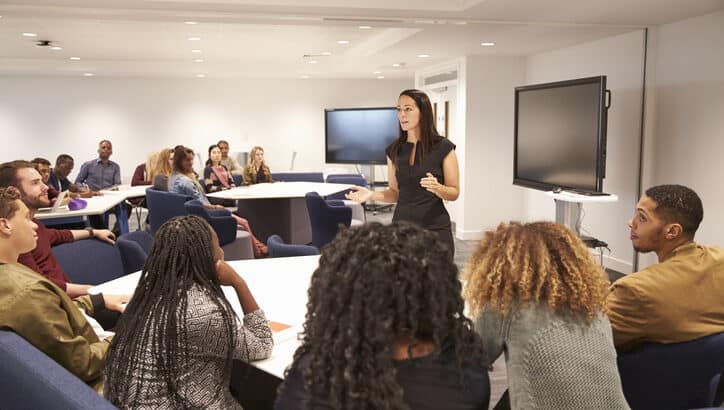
(422, 170)
(256, 171)
(216, 175)
(175, 346)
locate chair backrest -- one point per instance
(89, 261)
(238, 179)
(134, 248)
(278, 249)
(325, 219)
(353, 179)
(32, 380)
(163, 206)
(298, 176)
(221, 221)
(672, 376)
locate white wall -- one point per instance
(689, 141)
(48, 116)
(620, 58)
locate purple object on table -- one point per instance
(76, 204)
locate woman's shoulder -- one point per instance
(444, 145)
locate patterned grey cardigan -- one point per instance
(207, 339)
(553, 361)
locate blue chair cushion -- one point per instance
(278, 249)
(220, 220)
(89, 261)
(163, 205)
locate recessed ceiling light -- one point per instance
(377, 72)
(396, 64)
(380, 77)
(56, 48)
(200, 75)
(460, 23)
(74, 58)
(423, 55)
(313, 61)
(342, 41)
(191, 23)
(88, 74)
(487, 44)
(30, 35)
(196, 51)
(304, 77)
(326, 53)
(194, 38)
(365, 27)
(199, 60)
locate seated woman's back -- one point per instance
(385, 328)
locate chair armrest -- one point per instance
(219, 212)
(225, 227)
(335, 202)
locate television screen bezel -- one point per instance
(601, 134)
(326, 135)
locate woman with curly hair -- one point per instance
(385, 328)
(537, 294)
(175, 344)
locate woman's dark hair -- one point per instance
(208, 161)
(179, 156)
(373, 284)
(155, 318)
(428, 133)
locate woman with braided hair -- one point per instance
(385, 328)
(538, 296)
(175, 343)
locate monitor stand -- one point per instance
(369, 173)
(569, 205)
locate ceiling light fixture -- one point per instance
(377, 72)
(304, 77)
(487, 44)
(74, 58)
(194, 38)
(200, 75)
(365, 27)
(380, 77)
(191, 23)
(88, 74)
(196, 51)
(423, 55)
(199, 60)
(56, 48)
(30, 35)
(396, 64)
(342, 41)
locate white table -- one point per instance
(97, 205)
(278, 207)
(280, 288)
(127, 191)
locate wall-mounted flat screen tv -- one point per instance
(359, 135)
(560, 135)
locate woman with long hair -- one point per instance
(256, 171)
(162, 169)
(183, 181)
(175, 344)
(385, 328)
(216, 175)
(422, 170)
(536, 293)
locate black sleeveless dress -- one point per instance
(415, 203)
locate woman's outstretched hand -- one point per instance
(359, 195)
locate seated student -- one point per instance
(680, 298)
(256, 171)
(58, 178)
(229, 162)
(162, 170)
(142, 173)
(43, 167)
(23, 176)
(216, 175)
(538, 296)
(385, 328)
(175, 345)
(183, 181)
(39, 311)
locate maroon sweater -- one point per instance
(42, 260)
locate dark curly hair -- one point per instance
(155, 318)
(373, 284)
(678, 204)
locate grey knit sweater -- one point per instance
(553, 361)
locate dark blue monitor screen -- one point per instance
(359, 135)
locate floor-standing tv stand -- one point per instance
(369, 172)
(569, 204)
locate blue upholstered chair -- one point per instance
(32, 380)
(163, 205)
(235, 242)
(89, 261)
(325, 217)
(298, 176)
(238, 180)
(673, 376)
(134, 248)
(278, 249)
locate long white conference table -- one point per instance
(278, 207)
(280, 288)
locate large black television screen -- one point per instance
(560, 135)
(359, 135)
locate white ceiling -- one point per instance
(240, 38)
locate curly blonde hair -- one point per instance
(538, 262)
